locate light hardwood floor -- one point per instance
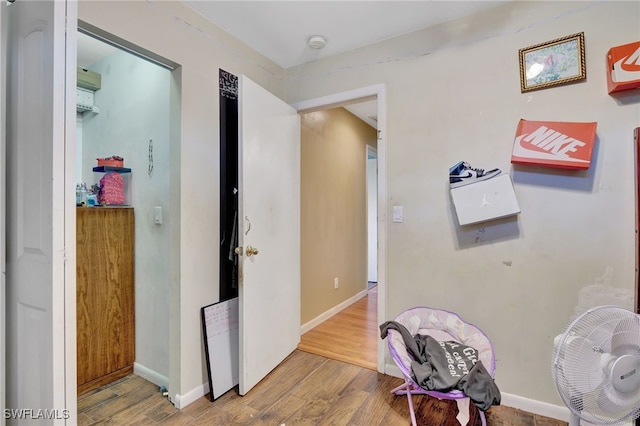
(305, 389)
(351, 335)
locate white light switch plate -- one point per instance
(398, 214)
(157, 215)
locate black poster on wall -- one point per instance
(228, 85)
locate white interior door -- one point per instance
(37, 205)
(269, 216)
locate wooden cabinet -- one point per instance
(105, 295)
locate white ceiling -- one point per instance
(91, 50)
(280, 29)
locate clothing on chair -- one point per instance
(443, 366)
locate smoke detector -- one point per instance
(316, 42)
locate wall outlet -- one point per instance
(336, 283)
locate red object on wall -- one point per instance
(623, 67)
(558, 144)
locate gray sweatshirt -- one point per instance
(443, 366)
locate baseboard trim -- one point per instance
(544, 409)
(181, 401)
(536, 407)
(331, 312)
(513, 401)
(150, 375)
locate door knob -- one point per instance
(251, 251)
(238, 250)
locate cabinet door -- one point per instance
(105, 295)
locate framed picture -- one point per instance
(552, 63)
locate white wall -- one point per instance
(134, 108)
(173, 31)
(453, 94)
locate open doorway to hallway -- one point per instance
(338, 241)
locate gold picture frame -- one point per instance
(552, 63)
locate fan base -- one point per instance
(574, 420)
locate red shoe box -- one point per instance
(623, 67)
(558, 144)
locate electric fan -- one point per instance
(596, 366)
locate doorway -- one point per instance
(377, 93)
(129, 109)
(3, 70)
(636, 144)
(372, 216)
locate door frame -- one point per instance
(636, 147)
(174, 195)
(373, 152)
(3, 241)
(375, 92)
(62, 261)
(68, 298)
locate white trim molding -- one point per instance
(331, 312)
(181, 401)
(151, 375)
(377, 92)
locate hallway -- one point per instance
(350, 336)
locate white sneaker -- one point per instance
(463, 174)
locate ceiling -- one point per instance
(280, 29)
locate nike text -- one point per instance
(552, 141)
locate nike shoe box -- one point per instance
(623, 67)
(559, 144)
(485, 200)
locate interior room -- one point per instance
(451, 94)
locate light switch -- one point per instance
(397, 214)
(157, 215)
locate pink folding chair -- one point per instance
(443, 326)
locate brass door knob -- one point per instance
(238, 250)
(251, 251)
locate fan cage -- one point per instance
(581, 382)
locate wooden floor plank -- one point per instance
(309, 413)
(327, 382)
(95, 398)
(127, 397)
(344, 408)
(281, 381)
(158, 411)
(279, 412)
